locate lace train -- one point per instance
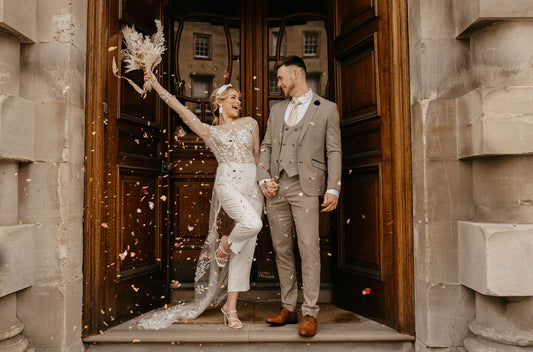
(209, 282)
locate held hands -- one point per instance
(269, 188)
(330, 202)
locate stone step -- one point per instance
(365, 335)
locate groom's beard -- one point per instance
(287, 92)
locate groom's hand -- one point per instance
(329, 203)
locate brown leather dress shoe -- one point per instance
(308, 326)
(283, 317)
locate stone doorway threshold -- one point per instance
(338, 329)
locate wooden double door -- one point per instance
(149, 179)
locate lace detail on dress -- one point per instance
(233, 142)
(233, 148)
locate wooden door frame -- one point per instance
(94, 211)
(402, 168)
(94, 205)
(400, 125)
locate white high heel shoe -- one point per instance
(234, 323)
(222, 261)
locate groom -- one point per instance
(300, 161)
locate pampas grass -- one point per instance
(141, 53)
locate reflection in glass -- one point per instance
(308, 40)
(236, 74)
(273, 89)
(311, 43)
(202, 56)
(273, 37)
(201, 86)
(235, 33)
(203, 62)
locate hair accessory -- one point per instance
(222, 89)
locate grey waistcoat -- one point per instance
(288, 157)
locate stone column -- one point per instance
(10, 327)
(495, 133)
(16, 145)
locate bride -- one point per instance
(235, 142)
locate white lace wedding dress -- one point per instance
(235, 190)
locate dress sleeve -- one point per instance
(190, 119)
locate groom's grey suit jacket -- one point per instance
(319, 147)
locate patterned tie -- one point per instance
(293, 116)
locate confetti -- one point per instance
(139, 210)
(104, 225)
(151, 205)
(366, 291)
(163, 198)
(226, 75)
(123, 255)
(390, 223)
(111, 48)
(134, 288)
(348, 221)
(66, 89)
(190, 228)
(363, 216)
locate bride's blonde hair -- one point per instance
(215, 102)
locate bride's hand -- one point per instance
(148, 76)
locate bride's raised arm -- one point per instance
(186, 115)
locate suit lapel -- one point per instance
(309, 116)
(279, 121)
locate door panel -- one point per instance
(375, 239)
(132, 251)
(365, 252)
(359, 74)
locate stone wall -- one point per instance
(472, 130)
(42, 118)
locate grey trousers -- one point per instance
(288, 206)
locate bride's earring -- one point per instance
(220, 110)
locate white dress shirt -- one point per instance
(305, 101)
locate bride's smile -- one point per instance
(231, 106)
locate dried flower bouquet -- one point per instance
(141, 53)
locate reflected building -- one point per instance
(203, 57)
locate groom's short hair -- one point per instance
(292, 60)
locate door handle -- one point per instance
(166, 167)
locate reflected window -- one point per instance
(202, 46)
(201, 86)
(311, 43)
(313, 81)
(274, 44)
(273, 88)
